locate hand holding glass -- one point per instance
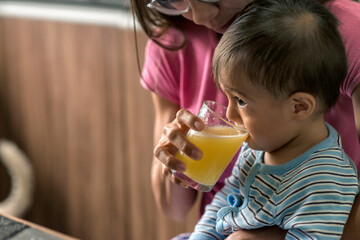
(219, 142)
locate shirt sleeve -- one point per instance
(161, 71)
(316, 205)
(209, 226)
(351, 36)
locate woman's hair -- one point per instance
(285, 46)
(156, 24)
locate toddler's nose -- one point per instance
(233, 115)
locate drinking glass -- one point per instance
(219, 141)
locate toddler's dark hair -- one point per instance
(285, 46)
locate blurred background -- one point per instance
(71, 100)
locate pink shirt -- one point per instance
(184, 77)
(341, 117)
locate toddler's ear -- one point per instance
(302, 105)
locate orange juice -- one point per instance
(219, 144)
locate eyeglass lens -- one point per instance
(169, 7)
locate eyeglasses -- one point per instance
(173, 7)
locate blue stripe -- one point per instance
(312, 199)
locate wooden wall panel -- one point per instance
(4, 177)
(71, 99)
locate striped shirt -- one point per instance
(310, 196)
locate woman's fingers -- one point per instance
(186, 120)
(177, 138)
(171, 176)
(190, 120)
(173, 139)
(162, 153)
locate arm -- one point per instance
(325, 188)
(356, 105)
(265, 233)
(206, 228)
(352, 229)
(211, 225)
(172, 199)
(352, 226)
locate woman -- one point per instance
(182, 79)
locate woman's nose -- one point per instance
(203, 13)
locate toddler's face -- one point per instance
(267, 119)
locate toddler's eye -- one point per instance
(240, 102)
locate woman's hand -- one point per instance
(173, 139)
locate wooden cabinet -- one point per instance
(71, 99)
